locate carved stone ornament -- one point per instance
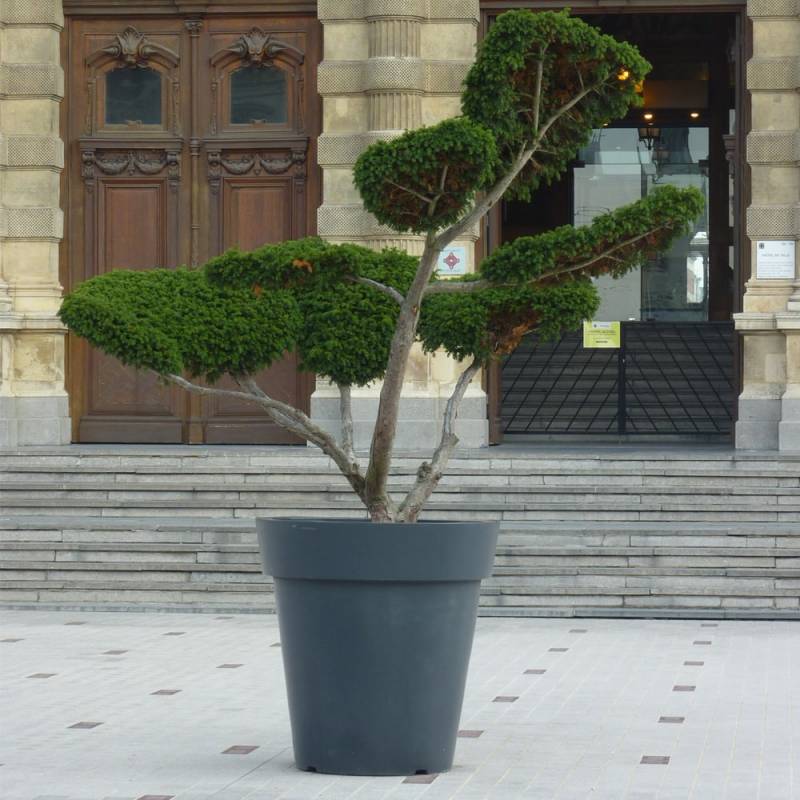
(135, 50)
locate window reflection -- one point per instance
(258, 94)
(618, 168)
(133, 94)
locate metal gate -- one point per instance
(666, 378)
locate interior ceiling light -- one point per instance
(695, 115)
(648, 116)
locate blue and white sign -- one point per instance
(452, 261)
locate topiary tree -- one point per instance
(541, 83)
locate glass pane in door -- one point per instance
(619, 166)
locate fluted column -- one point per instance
(391, 66)
(33, 403)
(769, 406)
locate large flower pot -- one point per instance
(376, 625)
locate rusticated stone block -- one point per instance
(773, 222)
(31, 223)
(31, 151)
(773, 147)
(773, 74)
(31, 12)
(31, 80)
(773, 8)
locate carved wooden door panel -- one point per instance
(257, 152)
(184, 137)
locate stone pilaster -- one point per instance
(33, 403)
(391, 66)
(769, 406)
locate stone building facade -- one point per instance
(386, 66)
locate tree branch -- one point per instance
(287, 417)
(424, 198)
(429, 474)
(466, 287)
(390, 291)
(346, 414)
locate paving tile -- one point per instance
(580, 734)
(420, 779)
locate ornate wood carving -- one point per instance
(258, 47)
(134, 49)
(132, 162)
(131, 48)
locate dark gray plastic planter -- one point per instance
(376, 626)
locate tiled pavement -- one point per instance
(191, 707)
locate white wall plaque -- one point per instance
(452, 261)
(775, 260)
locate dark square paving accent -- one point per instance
(683, 688)
(693, 663)
(114, 652)
(535, 671)
(223, 617)
(229, 666)
(240, 749)
(709, 625)
(654, 760)
(166, 691)
(672, 720)
(701, 641)
(558, 650)
(85, 725)
(74, 623)
(506, 698)
(12, 640)
(175, 633)
(277, 644)
(469, 734)
(420, 778)
(156, 797)
(43, 675)
(579, 630)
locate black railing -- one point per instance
(665, 378)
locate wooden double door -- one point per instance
(184, 137)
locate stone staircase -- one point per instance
(587, 531)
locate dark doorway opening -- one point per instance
(679, 369)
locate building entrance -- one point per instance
(675, 369)
(184, 137)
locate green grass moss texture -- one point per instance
(333, 304)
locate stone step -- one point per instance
(533, 473)
(20, 490)
(343, 506)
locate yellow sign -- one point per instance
(601, 334)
